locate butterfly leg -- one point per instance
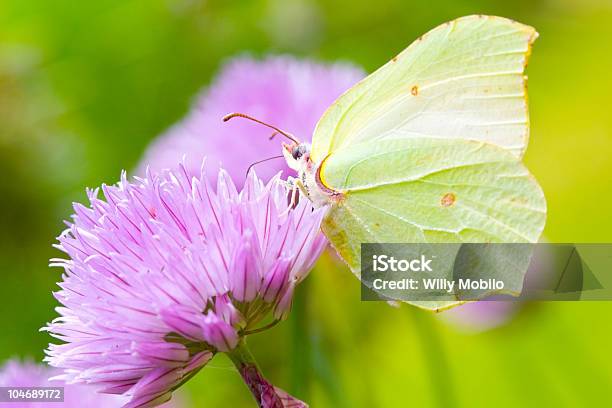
(294, 194)
(289, 183)
(294, 185)
(300, 185)
(294, 197)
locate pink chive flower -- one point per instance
(287, 92)
(165, 271)
(15, 373)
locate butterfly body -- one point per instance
(308, 179)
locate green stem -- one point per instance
(241, 355)
(264, 393)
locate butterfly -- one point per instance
(428, 148)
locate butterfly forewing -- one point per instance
(464, 79)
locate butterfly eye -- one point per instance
(297, 152)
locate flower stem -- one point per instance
(241, 355)
(264, 393)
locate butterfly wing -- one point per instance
(464, 79)
(429, 190)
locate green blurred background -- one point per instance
(85, 85)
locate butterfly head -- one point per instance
(297, 155)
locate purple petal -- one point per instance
(156, 382)
(162, 353)
(246, 269)
(184, 321)
(284, 304)
(276, 280)
(228, 313)
(218, 333)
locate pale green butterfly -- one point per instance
(428, 148)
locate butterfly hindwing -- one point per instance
(429, 190)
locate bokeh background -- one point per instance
(86, 85)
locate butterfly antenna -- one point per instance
(277, 130)
(261, 161)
